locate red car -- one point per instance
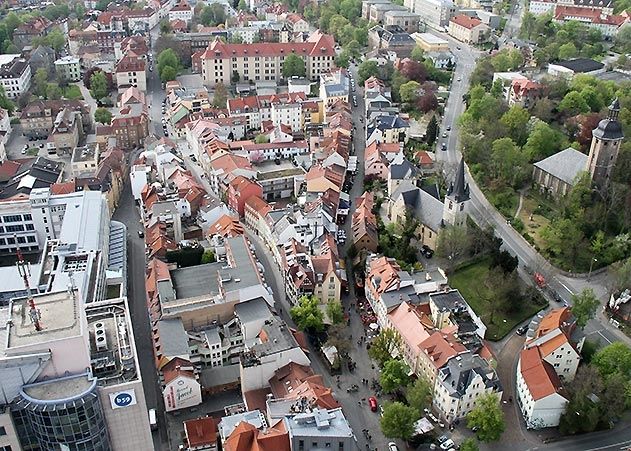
(372, 402)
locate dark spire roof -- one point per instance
(459, 189)
(610, 128)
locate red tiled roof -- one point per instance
(322, 45)
(200, 432)
(8, 169)
(62, 188)
(259, 205)
(538, 374)
(593, 15)
(466, 21)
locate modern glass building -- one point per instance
(63, 413)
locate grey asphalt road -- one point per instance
(127, 213)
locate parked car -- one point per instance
(141, 234)
(522, 330)
(427, 252)
(448, 444)
(442, 439)
(448, 128)
(392, 447)
(372, 403)
(443, 146)
(444, 134)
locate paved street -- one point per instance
(127, 213)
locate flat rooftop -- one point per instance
(84, 153)
(430, 38)
(114, 360)
(60, 390)
(195, 281)
(271, 170)
(59, 319)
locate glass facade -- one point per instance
(77, 423)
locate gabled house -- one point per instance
(461, 382)
(559, 342)
(540, 394)
(387, 129)
(240, 189)
(364, 224)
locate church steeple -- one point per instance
(458, 193)
(459, 189)
(603, 153)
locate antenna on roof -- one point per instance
(25, 271)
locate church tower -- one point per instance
(606, 140)
(454, 209)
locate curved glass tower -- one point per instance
(66, 412)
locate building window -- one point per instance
(14, 228)
(3, 431)
(13, 218)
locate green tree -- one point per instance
(168, 73)
(235, 38)
(343, 59)
(243, 5)
(394, 375)
(208, 256)
(307, 314)
(469, 444)
(612, 359)
(409, 91)
(386, 345)
(543, 141)
(432, 131)
(419, 394)
(12, 21)
(567, 51)
(261, 139)
(293, 66)
(366, 70)
(516, 121)
(56, 40)
(453, 243)
(168, 58)
(98, 85)
(573, 103)
(12, 48)
(5, 102)
(103, 116)
(418, 54)
(398, 420)
(488, 417)
(563, 239)
(220, 96)
(165, 27)
(509, 163)
(40, 81)
(584, 306)
(335, 311)
(53, 91)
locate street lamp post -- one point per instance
(591, 265)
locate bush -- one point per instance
(518, 224)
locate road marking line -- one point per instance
(608, 340)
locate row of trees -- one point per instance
(560, 41)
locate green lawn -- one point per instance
(468, 281)
(72, 92)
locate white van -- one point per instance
(153, 420)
